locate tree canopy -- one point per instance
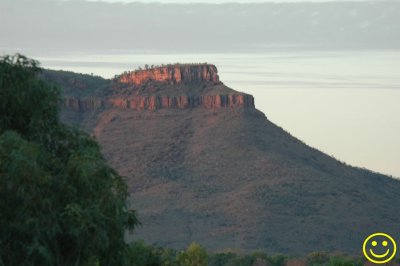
(61, 204)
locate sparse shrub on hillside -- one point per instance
(325, 259)
(245, 260)
(168, 257)
(194, 255)
(260, 258)
(255, 259)
(318, 259)
(278, 260)
(221, 259)
(343, 261)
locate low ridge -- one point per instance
(204, 165)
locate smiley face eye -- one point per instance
(384, 243)
(374, 243)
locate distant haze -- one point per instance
(43, 27)
(222, 1)
(226, 1)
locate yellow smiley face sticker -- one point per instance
(379, 248)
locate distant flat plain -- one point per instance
(345, 103)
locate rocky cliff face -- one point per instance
(210, 94)
(184, 101)
(82, 104)
(173, 74)
(159, 102)
(199, 86)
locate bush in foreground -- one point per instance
(61, 204)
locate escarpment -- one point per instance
(81, 104)
(160, 102)
(173, 74)
(173, 86)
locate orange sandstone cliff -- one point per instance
(178, 73)
(174, 86)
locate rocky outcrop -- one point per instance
(184, 101)
(82, 104)
(173, 74)
(161, 102)
(210, 94)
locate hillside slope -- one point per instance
(209, 167)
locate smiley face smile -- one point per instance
(379, 256)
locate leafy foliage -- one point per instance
(61, 203)
(141, 254)
(342, 261)
(221, 259)
(194, 255)
(324, 259)
(27, 104)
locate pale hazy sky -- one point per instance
(225, 1)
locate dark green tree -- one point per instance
(27, 104)
(61, 204)
(140, 254)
